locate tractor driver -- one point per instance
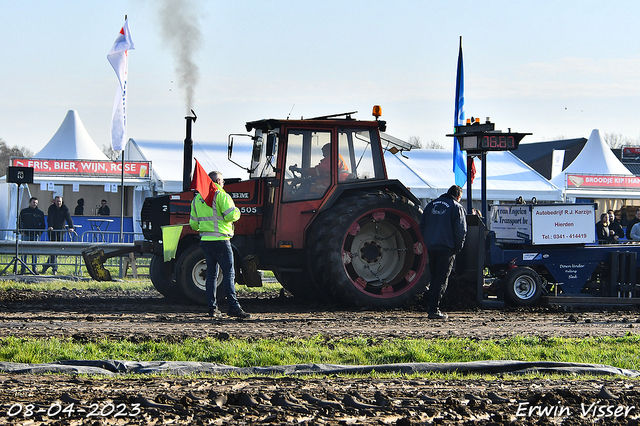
(321, 173)
(323, 169)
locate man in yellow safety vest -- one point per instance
(215, 225)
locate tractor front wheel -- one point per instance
(191, 275)
(162, 278)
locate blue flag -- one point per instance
(459, 163)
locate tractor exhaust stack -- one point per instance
(188, 154)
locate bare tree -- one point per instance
(434, 145)
(109, 152)
(415, 141)
(616, 140)
(7, 152)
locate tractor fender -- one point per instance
(387, 185)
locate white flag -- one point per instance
(557, 162)
(119, 59)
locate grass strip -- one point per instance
(622, 352)
(55, 284)
(129, 284)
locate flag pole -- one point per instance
(122, 187)
(122, 197)
(459, 168)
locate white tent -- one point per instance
(71, 141)
(596, 158)
(429, 173)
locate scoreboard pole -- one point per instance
(469, 183)
(485, 213)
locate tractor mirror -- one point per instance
(271, 144)
(230, 147)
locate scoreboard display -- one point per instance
(504, 142)
(478, 137)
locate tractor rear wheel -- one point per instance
(523, 286)
(367, 250)
(162, 280)
(191, 275)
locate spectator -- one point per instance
(614, 226)
(79, 211)
(634, 235)
(104, 209)
(57, 215)
(444, 228)
(31, 220)
(624, 218)
(633, 221)
(603, 232)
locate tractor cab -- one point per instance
(307, 161)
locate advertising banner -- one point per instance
(563, 224)
(83, 168)
(512, 224)
(614, 182)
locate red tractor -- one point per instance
(318, 210)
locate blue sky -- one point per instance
(556, 70)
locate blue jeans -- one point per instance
(55, 235)
(220, 252)
(30, 236)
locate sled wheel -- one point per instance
(191, 275)
(162, 279)
(523, 286)
(367, 251)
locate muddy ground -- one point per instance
(140, 316)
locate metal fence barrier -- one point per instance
(35, 246)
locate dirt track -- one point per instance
(139, 316)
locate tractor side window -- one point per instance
(355, 149)
(307, 174)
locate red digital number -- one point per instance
(498, 142)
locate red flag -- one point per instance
(202, 183)
(473, 170)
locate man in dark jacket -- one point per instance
(31, 219)
(614, 225)
(104, 209)
(57, 215)
(444, 228)
(632, 222)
